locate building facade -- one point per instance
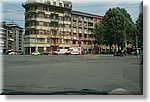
(11, 38)
(82, 30)
(2, 36)
(51, 24)
(47, 25)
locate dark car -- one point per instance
(45, 53)
(119, 53)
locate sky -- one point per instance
(12, 10)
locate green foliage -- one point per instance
(99, 33)
(117, 28)
(139, 26)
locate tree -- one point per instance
(99, 34)
(139, 28)
(118, 27)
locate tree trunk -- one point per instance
(110, 47)
(99, 49)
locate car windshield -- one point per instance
(95, 47)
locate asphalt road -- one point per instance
(45, 74)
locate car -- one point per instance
(12, 53)
(36, 53)
(45, 53)
(60, 52)
(119, 53)
(74, 51)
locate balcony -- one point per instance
(54, 13)
(74, 38)
(40, 11)
(67, 37)
(11, 39)
(74, 25)
(74, 19)
(55, 20)
(90, 27)
(65, 45)
(80, 20)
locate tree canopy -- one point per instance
(139, 26)
(116, 28)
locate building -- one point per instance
(51, 24)
(11, 38)
(47, 25)
(82, 30)
(2, 36)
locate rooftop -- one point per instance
(86, 14)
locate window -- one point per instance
(41, 32)
(85, 35)
(89, 43)
(54, 17)
(48, 24)
(60, 18)
(80, 18)
(41, 23)
(85, 30)
(27, 40)
(60, 25)
(74, 24)
(40, 40)
(32, 40)
(85, 18)
(80, 24)
(48, 16)
(85, 25)
(66, 5)
(49, 40)
(66, 12)
(90, 19)
(74, 29)
(79, 42)
(80, 30)
(54, 3)
(74, 17)
(80, 35)
(67, 26)
(74, 42)
(67, 18)
(60, 4)
(33, 15)
(33, 24)
(90, 31)
(41, 15)
(48, 9)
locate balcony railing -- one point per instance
(74, 38)
(90, 26)
(67, 37)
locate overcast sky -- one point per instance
(13, 10)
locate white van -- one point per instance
(74, 51)
(60, 52)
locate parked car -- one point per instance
(36, 53)
(12, 53)
(45, 53)
(74, 51)
(119, 53)
(60, 52)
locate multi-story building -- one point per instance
(47, 25)
(51, 24)
(82, 29)
(2, 36)
(12, 38)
